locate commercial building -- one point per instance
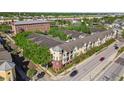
(35, 25)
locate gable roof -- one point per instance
(44, 40)
(5, 59)
(7, 66)
(73, 34)
(68, 46)
(4, 55)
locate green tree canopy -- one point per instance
(4, 27)
(38, 54)
(55, 32)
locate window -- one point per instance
(8, 73)
(62, 51)
(67, 53)
(71, 57)
(71, 52)
(67, 58)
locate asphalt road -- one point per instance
(88, 66)
(116, 70)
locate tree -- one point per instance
(5, 28)
(38, 54)
(85, 27)
(109, 19)
(31, 73)
(55, 32)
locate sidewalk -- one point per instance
(98, 71)
(83, 62)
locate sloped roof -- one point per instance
(30, 22)
(68, 46)
(4, 55)
(44, 40)
(74, 34)
(6, 66)
(5, 59)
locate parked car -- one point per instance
(73, 73)
(102, 58)
(41, 75)
(116, 47)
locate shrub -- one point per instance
(31, 73)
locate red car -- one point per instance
(101, 59)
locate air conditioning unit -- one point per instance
(67, 41)
(81, 36)
(74, 38)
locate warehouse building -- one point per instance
(34, 26)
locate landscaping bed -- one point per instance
(120, 50)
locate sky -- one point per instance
(61, 5)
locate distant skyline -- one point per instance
(57, 13)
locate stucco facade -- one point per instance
(8, 75)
